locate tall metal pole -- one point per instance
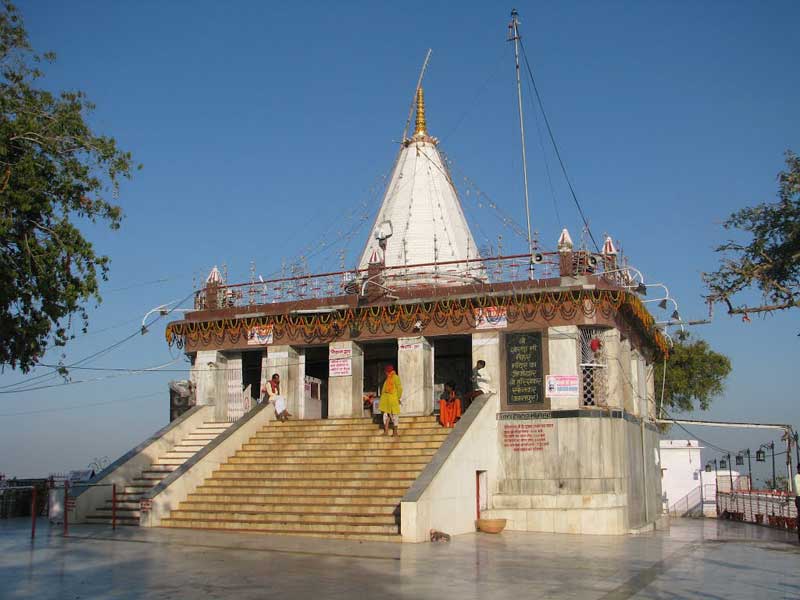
(730, 471)
(514, 37)
(749, 471)
(774, 483)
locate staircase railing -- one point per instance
(690, 505)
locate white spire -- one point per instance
(214, 276)
(608, 246)
(426, 223)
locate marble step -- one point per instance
(322, 501)
(284, 518)
(246, 505)
(344, 421)
(379, 443)
(288, 482)
(233, 521)
(361, 463)
(243, 528)
(243, 474)
(320, 491)
(389, 452)
(336, 436)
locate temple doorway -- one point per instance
(317, 375)
(251, 373)
(376, 356)
(452, 361)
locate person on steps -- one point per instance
(391, 394)
(449, 406)
(273, 390)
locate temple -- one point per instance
(562, 439)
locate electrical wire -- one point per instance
(77, 406)
(23, 386)
(555, 147)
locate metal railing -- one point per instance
(34, 511)
(69, 503)
(475, 271)
(770, 508)
(691, 505)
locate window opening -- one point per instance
(594, 366)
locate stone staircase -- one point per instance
(336, 478)
(128, 496)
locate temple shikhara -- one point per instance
(561, 437)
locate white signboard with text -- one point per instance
(561, 386)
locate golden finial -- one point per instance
(420, 123)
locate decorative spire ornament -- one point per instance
(420, 129)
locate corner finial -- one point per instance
(420, 129)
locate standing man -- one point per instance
(390, 400)
(481, 383)
(797, 499)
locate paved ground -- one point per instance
(695, 559)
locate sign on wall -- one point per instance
(340, 362)
(259, 335)
(524, 368)
(491, 317)
(561, 386)
(340, 367)
(527, 437)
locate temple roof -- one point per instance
(421, 220)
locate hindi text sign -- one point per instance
(524, 368)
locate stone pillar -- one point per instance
(628, 391)
(414, 369)
(486, 347)
(345, 392)
(614, 379)
(653, 398)
(636, 404)
(285, 361)
(562, 348)
(208, 376)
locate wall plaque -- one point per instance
(524, 368)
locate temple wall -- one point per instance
(576, 474)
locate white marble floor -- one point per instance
(694, 559)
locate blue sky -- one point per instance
(264, 129)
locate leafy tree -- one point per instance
(695, 373)
(770, 261)
(55, 173)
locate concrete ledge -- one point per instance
(559, 501)
(177, 486)
(138, 458)
(591, 521)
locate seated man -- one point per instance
(273, 390)
(449, 406)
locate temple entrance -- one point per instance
(251, 372)
(376, 356)
(452, 361)
(317, 375)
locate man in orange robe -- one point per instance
(449, 406)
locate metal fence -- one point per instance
(300, 285)
(774, 509)
(691, 505)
